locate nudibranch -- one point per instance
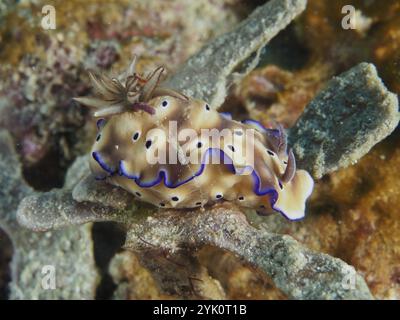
(136, 149)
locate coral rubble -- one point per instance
(344, 121)
(69, 251)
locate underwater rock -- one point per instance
(207, 74)
(90, 189)
(77, 171)
(299, 272)
(353, 215)
(344, 121)
(168, 231)
(68, 250)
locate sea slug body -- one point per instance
(136, 149)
